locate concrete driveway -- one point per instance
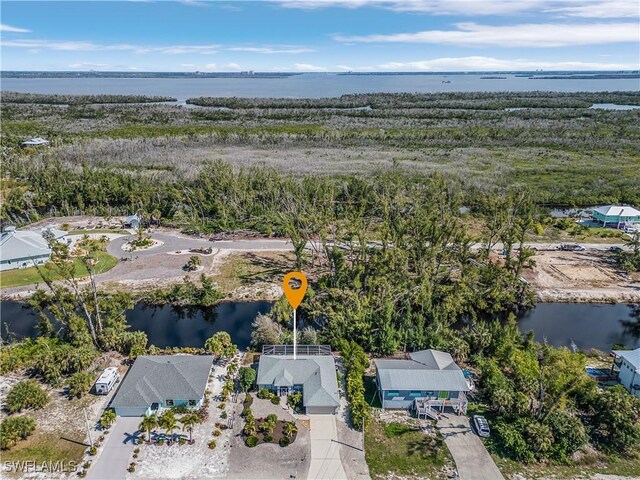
(325, 449)
(471, 457)
(115, 455)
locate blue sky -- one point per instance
(321, 35)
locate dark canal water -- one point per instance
(561, 324)
(165, 326)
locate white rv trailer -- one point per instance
(107, 380)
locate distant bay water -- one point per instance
(311, 85)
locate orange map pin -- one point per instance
(294, 295)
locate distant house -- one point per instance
(616, 215)
(314, 375)
(25, 248)
(425, 381)
(629, 375)
(35, 142)
(162, 381)
(133, 221)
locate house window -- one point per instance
(192, 403)
(393, 393)
(169, 403)
(414, 393)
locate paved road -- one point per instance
(325, 449)
(471, 457)
(175, 241)
(114, 457)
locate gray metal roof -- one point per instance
(631, 356)
(156, 378)
(316, 374)
(19, 244)
(426, 370)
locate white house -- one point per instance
(629, 374)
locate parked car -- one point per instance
(481, 425)
(615, 249)
(571, 247)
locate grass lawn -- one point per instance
(30, 276)
(45, 447)
(402, 449)
(243, 269)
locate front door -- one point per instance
(283, 391)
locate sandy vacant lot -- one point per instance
(581, 276)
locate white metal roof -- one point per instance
(617, 211)
(18, 244)
(425, 370)
(631, 356)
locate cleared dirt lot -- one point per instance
(581, 276)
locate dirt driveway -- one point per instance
(471, 457)
(581, 276)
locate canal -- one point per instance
(579, 325)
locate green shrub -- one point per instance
(267, 438)
(212, 444)
(284, 441)
(251, 441)
(80, 383)
(217, 433)
(275, 400)
(295, 400)
(264, 393)
(13, 429)
(26, 394)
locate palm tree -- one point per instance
(107, 418)
(148, 423)
(289, 429)
(168, 422)
(188, 421)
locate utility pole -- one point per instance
(295, 336)
(86, 422)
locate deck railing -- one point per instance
(300, 350)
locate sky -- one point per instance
(320, 35)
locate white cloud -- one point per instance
(580, 8)
(307, 67)
(233, 66)
(144, 49)
(479, 63)
(9, 28)
(210, 66)
(271, 50)
(600, 9)
(345, 68)
(525, 35)
(102, 66)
